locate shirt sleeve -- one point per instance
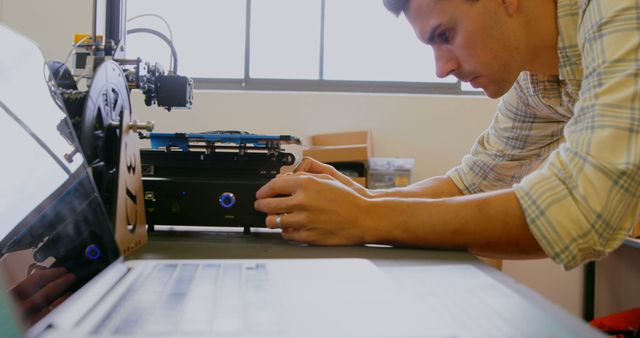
(583, 202)
(523, 133)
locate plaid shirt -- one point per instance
(571, 141)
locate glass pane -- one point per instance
(208, 35)
(363, 41)
(285, 39)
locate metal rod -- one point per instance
(247, 42)
(323, 6)
(94, 30)
(588, 310)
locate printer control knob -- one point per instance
(227, 200)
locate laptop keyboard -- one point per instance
(202, 299)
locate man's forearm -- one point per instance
(488, 224)
(434, 187)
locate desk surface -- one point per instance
(266, 245)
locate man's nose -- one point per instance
(446, 63)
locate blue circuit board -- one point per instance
(183, 140)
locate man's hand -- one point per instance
(318, 208)
(311, 166)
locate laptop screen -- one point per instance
(54, 232)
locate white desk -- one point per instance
(412, 263)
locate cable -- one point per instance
(163, 20)
(164, 38)
(155, 16)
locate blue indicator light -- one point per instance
(227, 200)
(183, 193)
(92, 252)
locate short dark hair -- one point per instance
(396, 6)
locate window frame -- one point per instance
(322, 85)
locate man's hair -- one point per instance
(396, 6)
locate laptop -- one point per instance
(63, 275)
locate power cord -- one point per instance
(164, 38)
(166, 23)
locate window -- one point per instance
(208, 35)
(325, 45)
(285, 39)
(365, 42)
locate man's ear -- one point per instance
(511, 6)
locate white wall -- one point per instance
(50, 23)
(435, 130)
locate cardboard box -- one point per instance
(360, 180)
(340, 147)
(340, 139)
(346, 147)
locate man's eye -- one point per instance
(443, 37)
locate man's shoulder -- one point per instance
(531, 84)
(539, 95)
(568, 8)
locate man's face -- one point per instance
(477, 42)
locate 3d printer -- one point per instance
(211, 178)
(205, 179)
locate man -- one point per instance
(556, 174)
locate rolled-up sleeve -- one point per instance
(523, 133)
(582, 203)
